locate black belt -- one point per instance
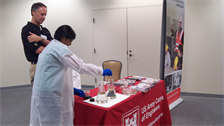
(33, 62)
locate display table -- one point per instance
(149, 108)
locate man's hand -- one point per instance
(33, 38)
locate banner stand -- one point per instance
(172, 42)
(175, 103)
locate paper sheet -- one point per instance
(110, 102)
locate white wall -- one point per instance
(77, 13)
(15, 67)
(203, 51)
(203, 54)
(0, 46)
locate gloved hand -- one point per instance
(107, 72)
(79, 92)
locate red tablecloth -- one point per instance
(149, 108)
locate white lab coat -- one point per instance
(76, 79)
(52, 94)
(167, 60)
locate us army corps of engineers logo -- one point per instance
(131, 118)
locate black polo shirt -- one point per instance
(31, 47)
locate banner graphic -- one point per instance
(174, 48)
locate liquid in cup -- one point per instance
(110, 88)
(101, 95)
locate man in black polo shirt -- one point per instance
(35, 37)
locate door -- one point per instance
(144, 39)
(110, 37)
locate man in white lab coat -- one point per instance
(52, 95)
(167, 57)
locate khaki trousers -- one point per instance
(32, 73)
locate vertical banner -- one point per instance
(174, 44)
